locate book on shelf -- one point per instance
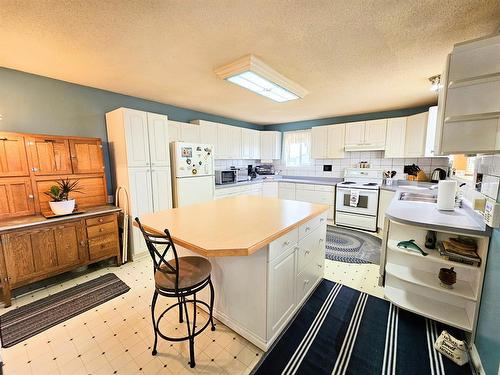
(449, 252)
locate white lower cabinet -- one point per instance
(321, 194)
(384, 200)
(286, 190)
(281, 298)
(270, 189)
(304, 259)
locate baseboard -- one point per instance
(476, 360)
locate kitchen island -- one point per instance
(267, 256)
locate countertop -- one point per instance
(464, 220)
(225, 228)
(330, 181)
(34, 220)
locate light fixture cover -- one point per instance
(254, 75)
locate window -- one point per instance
(297, 148)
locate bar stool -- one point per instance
(180, 278)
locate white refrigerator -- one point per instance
(193, 173)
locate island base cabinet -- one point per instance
(258, 295)
(281, 295)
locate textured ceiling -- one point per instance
(353, 56)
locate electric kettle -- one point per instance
(438, 174)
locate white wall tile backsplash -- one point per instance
(374, 158)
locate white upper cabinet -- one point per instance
(250, 144)
(190, 132)
(365, 135)
(375, 131)
(327, 142)
(229, 142)
(319, 142)
(270, 145)
(336, 140)
(415, 137)
(395, 139)
(158, 139)
(137, 138)
(174, 131)
(208, 134)
(469, 102)
(354, 133)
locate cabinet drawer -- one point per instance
(100, 220)
(278, 246)
(305, 281)
(309, 226)
(304, 186)
(311, 248)
(330, 189)
(105, 245)
(99, 230)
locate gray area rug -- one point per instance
(351, 246)
(26, 321)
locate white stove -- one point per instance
(356, 202)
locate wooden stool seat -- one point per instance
(193, 270)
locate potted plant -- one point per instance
(61, 204)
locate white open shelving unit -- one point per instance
(411, 279)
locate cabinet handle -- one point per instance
(34, 169)
(31, 196)
(320, 265)
(308, 228)
(308, 252)
(82, 242)
(286, 243)
(3, 138)
(101, 229)
(306, 282)
(321, 240)
(100, 220)
(321, 219)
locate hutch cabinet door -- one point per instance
(86, 156)
(13, 161)
(158, 140)
(49, 156)
(43, 245)
(68, 244)
(16, 197)
(18, 256)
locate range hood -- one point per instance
(365, 147)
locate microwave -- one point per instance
(227, 176)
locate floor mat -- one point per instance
(351, 246)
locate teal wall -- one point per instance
(488, 327)
(36, 104)
(299, 125)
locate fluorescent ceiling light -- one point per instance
(254, 75)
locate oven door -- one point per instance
(367, 202)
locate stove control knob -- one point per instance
(194, 171)
(188, 161)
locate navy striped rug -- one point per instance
(342, 331)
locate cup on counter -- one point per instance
(388, 181)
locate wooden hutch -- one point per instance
(33, 247)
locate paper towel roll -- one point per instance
(446, 195)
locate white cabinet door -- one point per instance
(416, 131)
(161, 188)
(281, 292)
(319, 142)
(270, 145)
(137, 138)
(234, 140)
(158, 140)
(375, 131)
(246, 144)
(395, 138)
(224, 141)
(141, 202)
(385, 199)
(174, 131)
(255, 144)
(270, 189)
(286, 191)
(336, 141)
(355, 133)
(190, 132)
(208, 135)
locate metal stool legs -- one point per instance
(192, 331)
(153, 304)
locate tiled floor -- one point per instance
(116, 337)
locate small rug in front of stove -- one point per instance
(351, 246)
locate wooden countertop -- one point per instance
(34, 220)
(235, 226)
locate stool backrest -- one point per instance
(158, 247)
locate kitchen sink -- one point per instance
(412, 187)
(416, 197)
